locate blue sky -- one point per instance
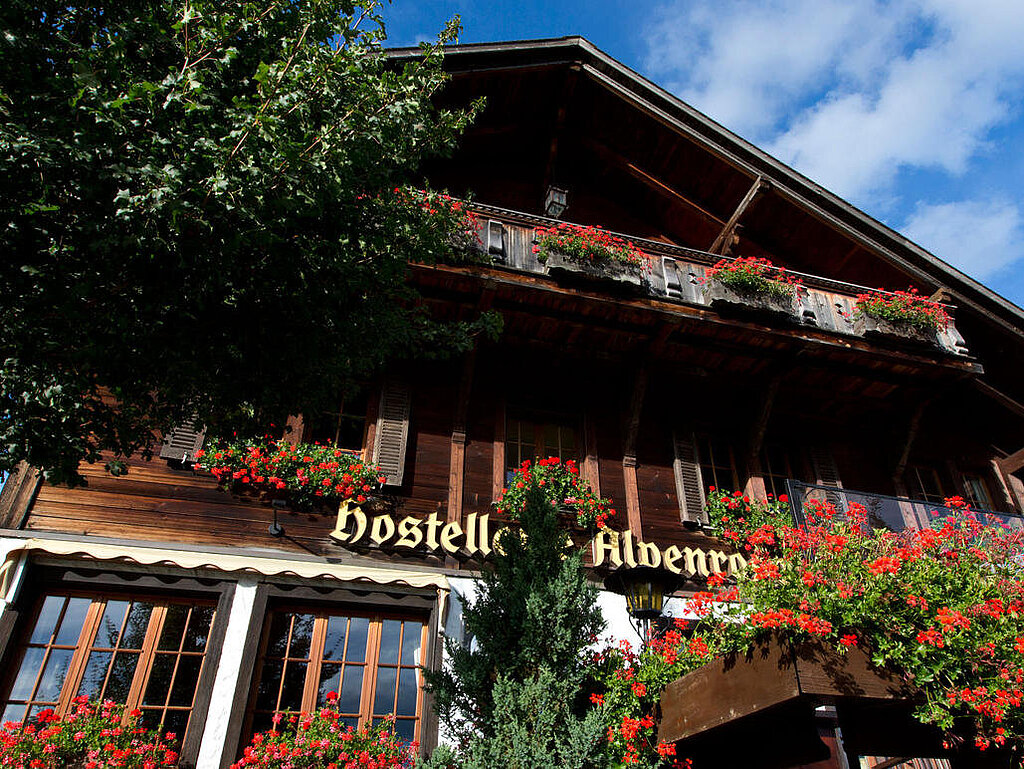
(913, 110)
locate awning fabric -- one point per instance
(186, 559)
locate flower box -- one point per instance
(728, 300)
(871, 327)
(760, 709)
(605, 271)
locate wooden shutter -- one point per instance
(392, 434)
(689, 482)
(827, 474)
(182, 443)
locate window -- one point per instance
(717, 464)
(925, 484)
(147, 654)
(775, 470)
(344, 428)
(369, 660)
(526, 439)
(976, 492)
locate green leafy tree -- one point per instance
(515, 695)
(206, 210)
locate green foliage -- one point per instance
(533, 618)
(208, 208)
(538, 726)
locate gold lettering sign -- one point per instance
(474, 539)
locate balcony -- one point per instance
(507, 237)
(885, 512)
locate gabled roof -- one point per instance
(509, 62)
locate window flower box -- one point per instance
(305, 476)
(901, 316)
(752, 287)
(591, 255)
(880, 328)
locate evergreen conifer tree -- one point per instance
(514, 694)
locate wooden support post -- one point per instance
(629, 451)
(724, 238)
(294, 427)
(912, 429)
(457, 458)
(498, 453)
(17, 496)
(755, 487)
(591, 469)
(571, 78)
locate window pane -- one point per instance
(330, 677)
(405, 729)
(270, 683)
(294, 683)
(384, 701)
(334, 644)
(74, 618)
(159, 680)
(30, 665)
(302, 632)
(390, 641)
(186, 681)
(407, 692)
(135, 627)
(411, 643)
(47, 621)
(13, 713)
(54, 673)
(110, 624)
(277, 645)
(176, 722)
(357, 631)
(351, 689)
(198, 629)
(121, 674)
(95, 673)
(174, 627)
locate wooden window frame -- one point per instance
(314, 661)
(540, 421)
(705, 440)
(85, 644)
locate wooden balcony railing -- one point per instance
(883, 511)
(508, 238)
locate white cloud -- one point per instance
(982, 238)
(848, 91)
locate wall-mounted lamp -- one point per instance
(645, 589)
(556, 200)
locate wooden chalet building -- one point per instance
(159, 590)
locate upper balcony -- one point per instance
(677, 276)
(887, 512)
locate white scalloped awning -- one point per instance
(269, 566)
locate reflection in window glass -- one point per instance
(369, 662)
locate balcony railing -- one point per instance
(677, 272)
(893, 513)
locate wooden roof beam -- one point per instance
(613, 158)
(759, 188)
(571, 78)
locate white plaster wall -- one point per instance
(222, 700)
